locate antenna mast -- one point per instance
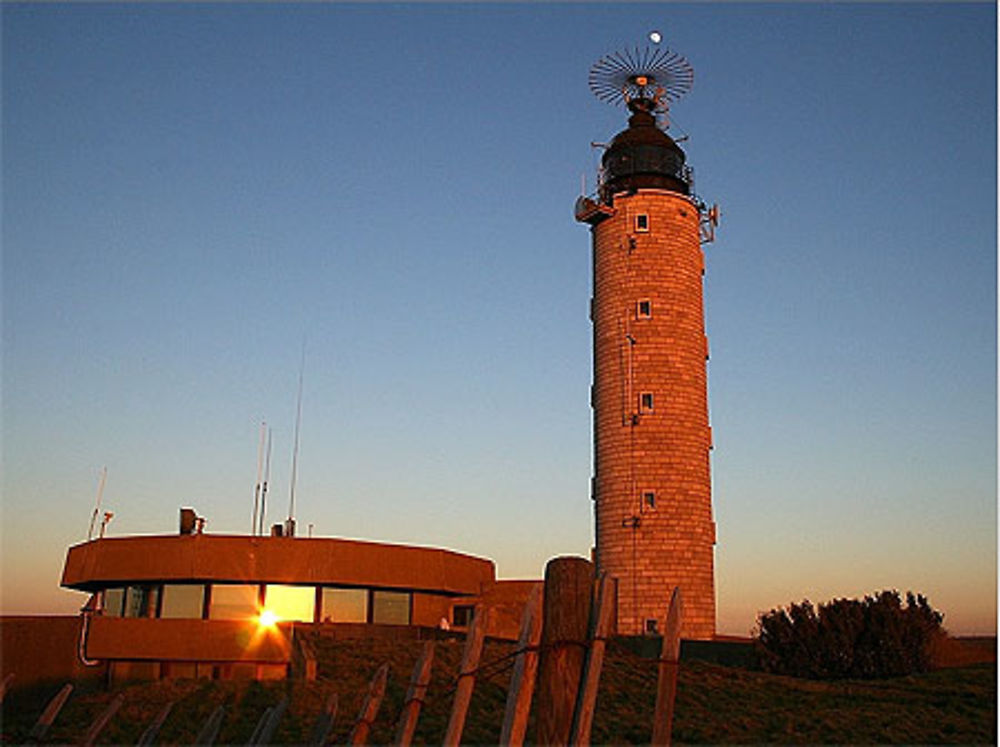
(260, 468)
(267, 479)
(97, 505)
(290, 522)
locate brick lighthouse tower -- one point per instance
(652, 482)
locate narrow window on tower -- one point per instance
(645, 402)
(648, 499)
(642, 223)
(644, 309)
(651, 626)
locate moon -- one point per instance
(654, 36)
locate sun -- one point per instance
(267, 619)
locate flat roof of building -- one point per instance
(213, 558)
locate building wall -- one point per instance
(41, 649)
(649, 549)
(188, 640)
(505, 601)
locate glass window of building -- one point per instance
(140, 601)
(344, 605)
(113, 600)
(391, 607)
(290, 602)
(184, 601)
(233, 601)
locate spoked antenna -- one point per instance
(652, 77)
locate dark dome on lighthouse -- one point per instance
(643, 156)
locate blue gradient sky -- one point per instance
(190, 191)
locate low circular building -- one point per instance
(197, 604)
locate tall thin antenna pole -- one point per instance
(260, 468)
(295, 450)
(97, 505)
(267, 479)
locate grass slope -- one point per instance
(715, 704)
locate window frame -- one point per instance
(120, 607)
(144, 597)
(364, 592)
(409, 607)
(201, 606)
(266, 605)
(210, 600)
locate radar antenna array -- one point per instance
(659, 75)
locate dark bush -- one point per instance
(866, 639)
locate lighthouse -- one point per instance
(651, 487)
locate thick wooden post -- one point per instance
(366, 717)
(569, 583)
(415, 695)
(522, 682)
(600, 627)
(467, 676)
(666, 684)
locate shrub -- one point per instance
(870, 638)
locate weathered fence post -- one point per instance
(415, 695)
(467, 676)
(101, 721)
(569, 584)
(5, 684)
(600, 626)
(155, 725)
(366, 717)
(304, 658)
(666, 684)
(261, 723)
(51, 711)
(210, 730)
(522, 681)
(266, 734)
(321, 730)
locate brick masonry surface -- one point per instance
(651, 430)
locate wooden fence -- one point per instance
(560, 653)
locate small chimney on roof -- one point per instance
(188, 519)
